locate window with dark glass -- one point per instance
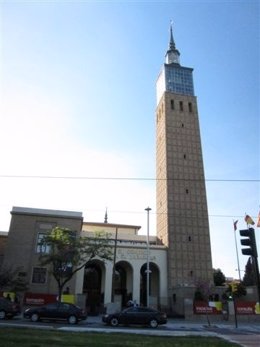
(172, 104)
(181, 106)
(39, 275)
(190, 107)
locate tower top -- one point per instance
(105, 219)
(172, 55)
(171, 43)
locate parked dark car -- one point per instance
(8, 309)
(56, 311)
(136, 315)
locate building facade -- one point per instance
(94, 284)
(130, 264)
(182, 214)
(22, 251)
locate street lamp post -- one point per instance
(148, 209)
(114, 270)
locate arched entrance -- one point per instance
(154, 288)
(123, 283)
(92, 286)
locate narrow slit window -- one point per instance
(190, 107)
(181, 106)
(172, 104)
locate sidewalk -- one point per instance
(182, 324)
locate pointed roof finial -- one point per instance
(171, 43)
(105, 220)
(172, 55)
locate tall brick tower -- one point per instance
(182, 213)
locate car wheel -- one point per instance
(153, 323)
(114, 322)
(2, 314)
(72, 320)
(35, 317)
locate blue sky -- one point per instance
(78, 100)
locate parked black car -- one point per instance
(136, 315)
(8, 309)
(56, 311)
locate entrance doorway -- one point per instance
(154, 288)
(92, 287)
(123, 283)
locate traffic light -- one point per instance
(248, 241)
(233, 287)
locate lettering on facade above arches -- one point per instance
(133, 254)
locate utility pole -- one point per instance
(114, 269)
(148, 209)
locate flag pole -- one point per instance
(235, 229)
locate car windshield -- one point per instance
(139, 309)
(130, 309)
(147, 309)
(64, 307)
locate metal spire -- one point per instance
(105, 220)
(172, 55)
(171, 43)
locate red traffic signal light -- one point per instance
(248, 241)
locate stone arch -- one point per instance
(93, 286)
(154, 285)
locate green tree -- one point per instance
(234, 291)
(10, 280)
(66, 253)
(218, 277)
(249, 276)
(204, 290)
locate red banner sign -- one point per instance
(247, 307)
(215, 307)
(212, 307)
(39, 299)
